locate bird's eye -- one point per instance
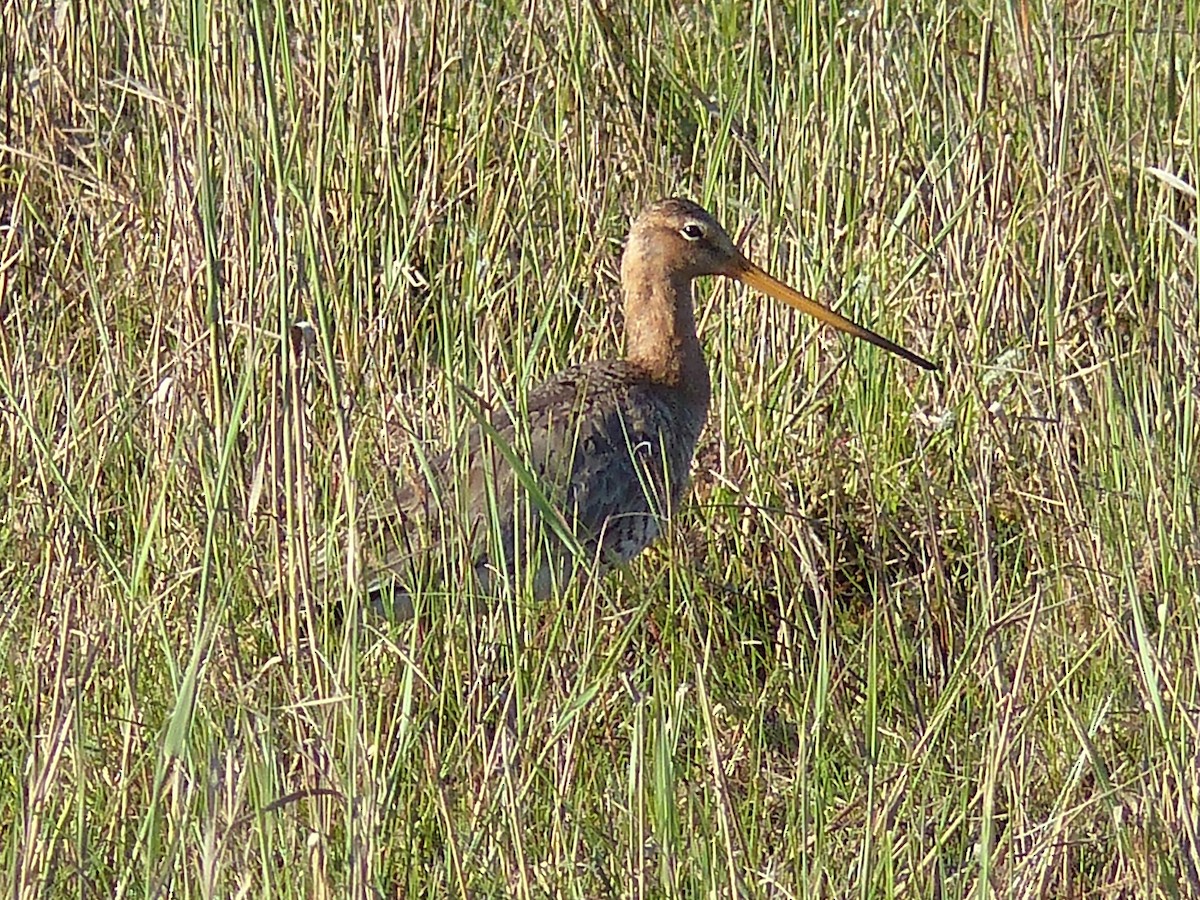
(692, 231)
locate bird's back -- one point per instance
(584, 479)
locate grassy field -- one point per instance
(910, 636)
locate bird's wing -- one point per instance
(587, 452)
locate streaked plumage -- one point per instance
(608, 443)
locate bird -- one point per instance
(586, 476)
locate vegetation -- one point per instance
(911, 635)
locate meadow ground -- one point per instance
(911, 635)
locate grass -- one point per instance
(910, 636)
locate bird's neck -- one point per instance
(660, 333)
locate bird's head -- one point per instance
(679, 240)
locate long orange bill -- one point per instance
(756, 278)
